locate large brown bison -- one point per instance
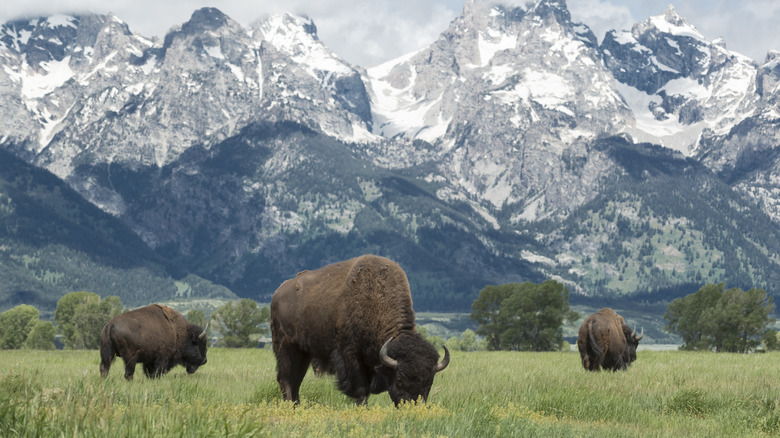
(605, 341)
(156, 336)
(355, 319)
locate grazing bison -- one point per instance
(605, 341)
(156, 336)
(355, 320)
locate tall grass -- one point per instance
(669, 393)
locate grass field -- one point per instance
(668, 393)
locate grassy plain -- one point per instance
(482, 394)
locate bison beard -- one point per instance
(355, 320)
(156, 336)
(606, 341)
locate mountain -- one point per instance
(515, 147)
(54, 242)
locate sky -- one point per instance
(370, 32)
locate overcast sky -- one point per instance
(369, 32)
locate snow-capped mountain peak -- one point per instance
(676, 82)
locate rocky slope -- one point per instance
(499, 153)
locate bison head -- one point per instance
(632, 342)
(414, 362)
(194, 354)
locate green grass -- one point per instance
(668, 393)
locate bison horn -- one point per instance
(203, 334)
(444, 362)
(641, 335)
(387, 360)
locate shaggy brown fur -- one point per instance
(340, 316)
(605, 341)
(156, 336)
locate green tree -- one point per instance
(436, 341)
(738, 321)
(239, 322)
(724, 320)
(80, 316)
(453, 343)
(771, 340)
(196, 317)
(468, 340)
(41, 337)
(529, 317)
(485, 311)
(15, 326)
(684, 316)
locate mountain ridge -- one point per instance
(246, 155)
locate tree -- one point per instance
(724, 320)
(196, 317)
(239, 322)
(684, 315)
(80, 316)
(738, 321)
(15, 326)
(525, 317)
(41, 336)
(436, 341)
(771, 340)
(485, 311)
(468, 341)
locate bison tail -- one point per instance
(107, 352)
(597, 357)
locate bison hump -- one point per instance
(169, 313)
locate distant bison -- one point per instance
(605, 341)
(355, 320)
(156, 336)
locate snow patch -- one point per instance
(35, 86)
(214, 51)
(494, 43)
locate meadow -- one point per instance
(481, 394)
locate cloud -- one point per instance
(368, 32)
(601, 16)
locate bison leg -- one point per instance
(130, 361)
(291, 367)
(149, 370)
(156, 368)
(352, 377)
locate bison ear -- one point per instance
(387, 360)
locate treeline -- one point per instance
(80, 317)
(717, 319)
(514, 316)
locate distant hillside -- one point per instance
(53, 242)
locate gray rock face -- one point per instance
(677, 83)
(232, 143)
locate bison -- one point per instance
(156, 336)
(605, 341)
(354, 319)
